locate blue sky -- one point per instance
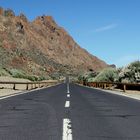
(109, 29)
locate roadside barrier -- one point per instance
(109, 85)
(28, 85)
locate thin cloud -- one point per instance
(105, 28)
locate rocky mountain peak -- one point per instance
(41, 47)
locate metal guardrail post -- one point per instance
(14, 86)
(31, 86)
(124, 88)
(104, 86)
(108, 85)
(27, 87)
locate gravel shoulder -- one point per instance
(129, 93)
(6, 90)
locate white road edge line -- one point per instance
(67, 129)
(68, 95)
(67, 104)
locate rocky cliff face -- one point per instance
(41, 47)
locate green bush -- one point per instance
(88, 76)
(35, 78)
(55, 76)
(80, 77)
(32, 78)
(41, 78)
(92, 79)
(131, 73)
(21, 74)
(107, 75)
(3, 72)
(17, 73)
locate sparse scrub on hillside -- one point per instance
(7, 23)
(3, 72)
(17, 73)
(55, 76)
(21, 74)
(9, 13)
(0, 44)
(23, 17)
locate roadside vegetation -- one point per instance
(16, 73)
(128, 74)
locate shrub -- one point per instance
(131, 73)
(107, 75)
(3, 72)
(9, 13)
(92, 79)
(80, 77)
(41, 78)
(55, 76)
(23, 17)
(87, 77)
(32, 78)
(17, 73)
(21, 74)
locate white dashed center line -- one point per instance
(67, 129)
(67, 125)
(68, 88)
(67, 104)
(68, 95)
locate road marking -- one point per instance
(68, 95)
(67, 129)
(68, 88)
(67, 104)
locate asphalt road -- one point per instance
(82, 114)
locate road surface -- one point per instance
(83, 114)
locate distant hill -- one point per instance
(41, 47)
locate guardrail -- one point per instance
(29, 85)
(108, 85)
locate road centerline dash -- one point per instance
(67, 104)
(68, 95)
(67, 129)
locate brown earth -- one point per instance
(41, 47)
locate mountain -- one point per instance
(41, 47)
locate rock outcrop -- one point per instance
(41, 47)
